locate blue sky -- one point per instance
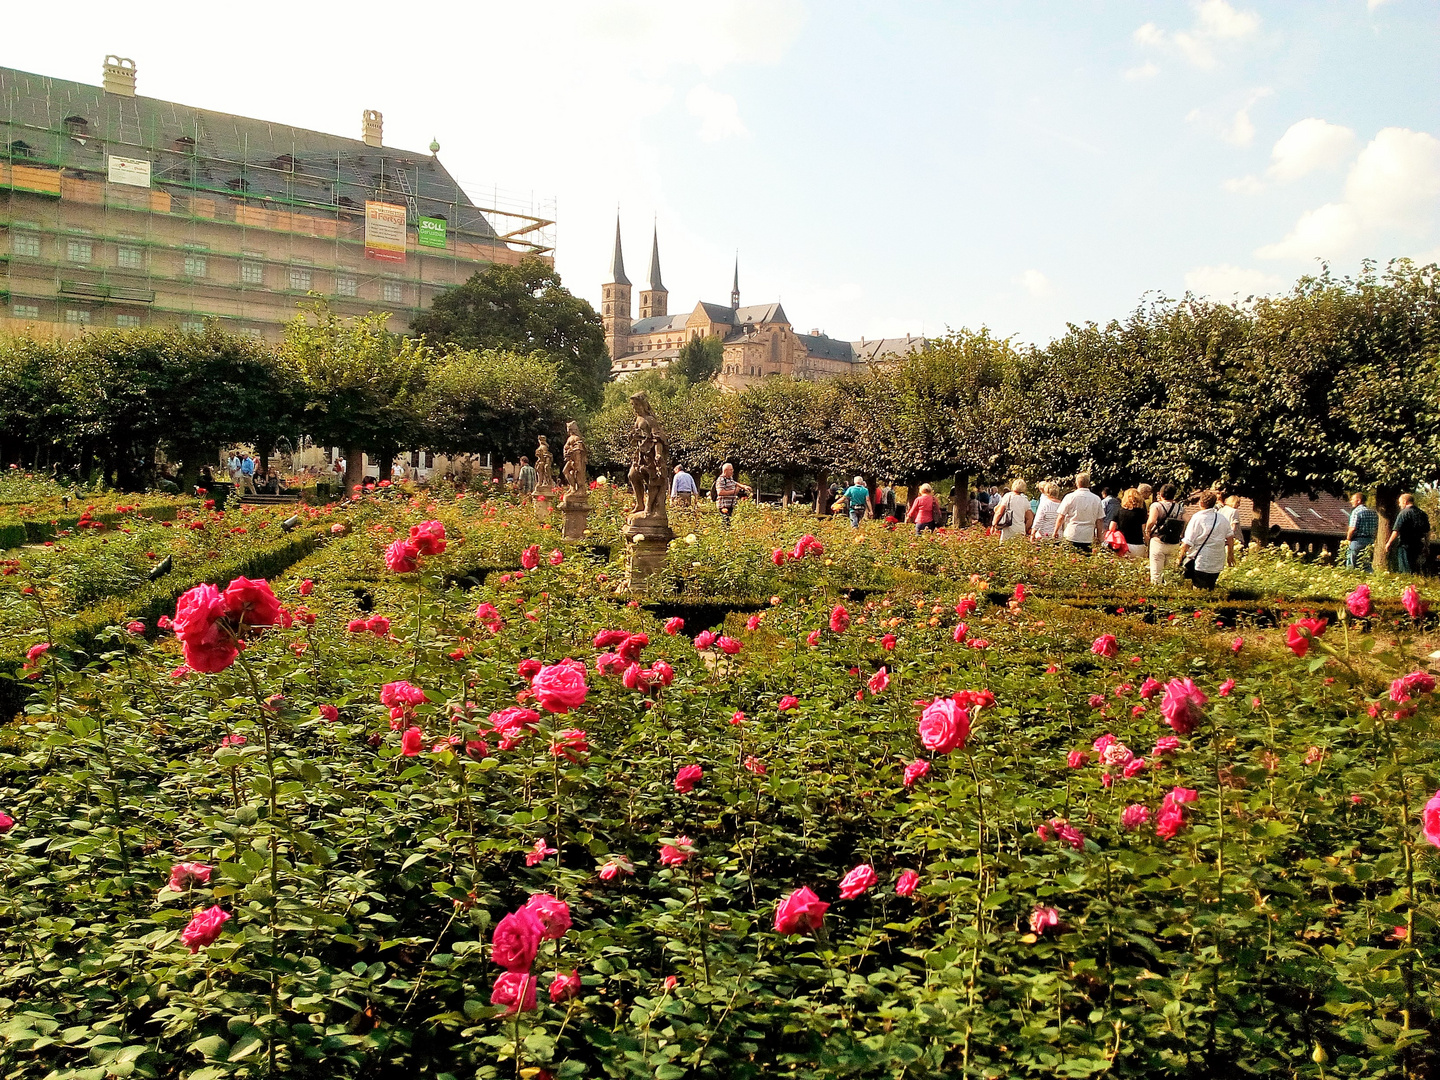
(882, 168)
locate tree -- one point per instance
(361, 387)
(496, 402)
(699, 360)
(523, 308)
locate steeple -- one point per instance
(617, 264)
(655, 282)
(655, 300)
(735, 288)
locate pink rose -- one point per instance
(36, 651)
(1358, 602)
(6, 823)
(337, 530)
(966, 605)
(401, 693)
(164, 622)
(728, 645)
(515, 990)
(608, 639)
(560, 687)
(801, 911)
(813, 638)
(674, 625)
(1097, 701)
(687, 778)
(675, 854)
(1183, 706)
(557, 557)
(857, 881)
(378, 625)
(915, 771)
(489, 616)
(944, 726)
(539, 853)
(251, 603)
(565, 987)
(1020, 594)
(905, 886)
(516, 938)
(1149, 688)
(879, 682)
(610, 663)
(1410, 600)
(704, 639)
(402, 557)
(1044, 918)
(1105, 645)
(1116, 754)
(1430, 819)
(839, 619)
(530, 557)
(187, 875)
(571, 744)
(1237, 645)
(1134, 815)
(204, 928)
(554, 915)
(412, 741)
(663, 672)
(959, 633)
(1077, 759)
(135, 627)
(356, 626)
(1166, 744)
(428, 537)
(755, 765)
(1133, 767)
(1172, 811)
(788, 702)
(528, 669)
(306, 587)
(888, 642)
(615, 867)
(200, 626)
(1226, 687)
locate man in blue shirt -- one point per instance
(682, 487)
(857, 498)
(1364, 523)
(247, 474)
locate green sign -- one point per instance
(432, 232)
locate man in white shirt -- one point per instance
(1207, 541)
(1080, 512)
(1012, 513)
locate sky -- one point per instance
(908, 166)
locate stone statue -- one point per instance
(544, 463)
(649, 461)
(577, 481)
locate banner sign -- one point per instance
(432, 232)
(384, 231)
(132, 171)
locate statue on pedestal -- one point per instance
(649, 462)
(544, 465)
(577, 456)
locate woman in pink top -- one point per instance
(922, 510)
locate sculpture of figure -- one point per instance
(577, 482)
(649, 460)
(544, 463)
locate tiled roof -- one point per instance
(1322, 514)
(656, 323)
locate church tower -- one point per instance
(615, 303)
(656, 299)
(735, 288)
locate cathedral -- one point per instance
(757, 339)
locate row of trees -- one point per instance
(1333, 387)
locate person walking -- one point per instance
(1364, 524)
(682, 487)
(1110, 506)
(1080, 514)
(1206, 543)
(727, 492)
(858, 502)
(1410, 537)
(1130, 520)
(1164, 529)
(1047, 512)
(526, 478)
(1013, 516)
(923, 510)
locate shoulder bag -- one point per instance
(1188, 569)
(1171, 528)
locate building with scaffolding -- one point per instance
(125, 211)
(757, 341)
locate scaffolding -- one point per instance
(129, 211)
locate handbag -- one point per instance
(1187, 568)
(1005, 520)
(1115, 541)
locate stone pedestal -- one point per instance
(646, 542)
(577, 518)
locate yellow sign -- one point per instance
(384, 231)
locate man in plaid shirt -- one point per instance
(1364, 523)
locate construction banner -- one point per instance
(384, 231)
(431, 232)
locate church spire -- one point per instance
(655, 282)
(735, 288)
(617, 264)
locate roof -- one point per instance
(617, 261)
(655, 282)
(659, 322)
(827, 348)
(668, 353)
(76, 125)
(1321, 514)
(879, 348)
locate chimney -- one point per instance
(371, 124)
(119, 76)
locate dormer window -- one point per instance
(183, 145)
(77, 127)
(21, 149)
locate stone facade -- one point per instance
(758, 340)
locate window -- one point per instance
(192, 326)
(195, 266)
(25, 244)
(79, 251)
(131, 258)
(394, 292)
(25, 311)
(299, 279)
(77, 315)
(252, 273)
(345, 285)
(127, 322)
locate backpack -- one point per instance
(1172, 528)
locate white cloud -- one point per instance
(1371, 5)
(1308, 145)
(1146, 70)
(1390, 198)
(1216, 23)
(1239, 129)
(1034, 282)
(718, 113)
(1225, 281)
